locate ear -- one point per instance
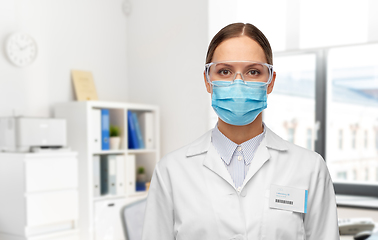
(208, 86)
(271, 84)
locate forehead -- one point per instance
(239, 49)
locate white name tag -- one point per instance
(288, 198)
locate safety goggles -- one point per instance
(223, 74)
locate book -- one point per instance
(85, 88)
(120, 175)
(96, 176)
(96, 130)
(105, 124)
(146, 120)
(132, 135)
(137, 130)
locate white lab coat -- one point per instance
(192, 195)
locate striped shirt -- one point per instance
(236, 158)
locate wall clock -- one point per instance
(21, 49)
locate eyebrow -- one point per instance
(230, 65)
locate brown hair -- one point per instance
(237, 30)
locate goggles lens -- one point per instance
(247, 71)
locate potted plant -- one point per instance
(141, 179)
(115, 138)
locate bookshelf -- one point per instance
(94, 210)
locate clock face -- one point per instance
(21, 49)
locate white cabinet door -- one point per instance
(55, 173)
(108, 223)
(51, 207)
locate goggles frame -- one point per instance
(208, 65)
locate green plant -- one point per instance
(141, 170)
(114, 131)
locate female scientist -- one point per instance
(240, 180)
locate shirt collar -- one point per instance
(226, 148)
(202, 144)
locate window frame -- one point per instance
(341, 188)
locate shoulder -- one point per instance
(303, 158)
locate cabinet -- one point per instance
(39, 196)
(94, 209)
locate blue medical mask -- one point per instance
(239, 103)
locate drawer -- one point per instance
(51, 207)
(43, 174)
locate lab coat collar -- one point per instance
(213, 161)
(201, 145)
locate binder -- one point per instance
(96, 176)
(96, 130)
(120, 174)
(146, 120)
(104, 175)
(132, 137)
(105, 129)
(130, 174)
(112, 177)
(138, 131)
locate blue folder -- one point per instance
(105, 129)
(132, 134)
(138, 132)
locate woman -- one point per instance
(240, 180)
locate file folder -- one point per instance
(132, 135)
(96, 130)
(105, 124)
(96, 176)
(120, 175)
(146, 120)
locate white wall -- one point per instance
(87, 34)
(167, 44)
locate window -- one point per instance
(354, 133)
(342, 175)
(366, 139)
(354, 174)
(340, 139)
(366, 174)
(352, 102)
(291, 109)
(290, 134)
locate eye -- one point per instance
(253, 72)
(224, 72)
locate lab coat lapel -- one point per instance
(213, 162)
(212, 159)
(261, 156)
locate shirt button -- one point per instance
(240, 158)
(239, 149)
(238, 189)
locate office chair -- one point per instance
(132, 216)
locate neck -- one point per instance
(240, 134)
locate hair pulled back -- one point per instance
(237, 30)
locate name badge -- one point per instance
(288, 198)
